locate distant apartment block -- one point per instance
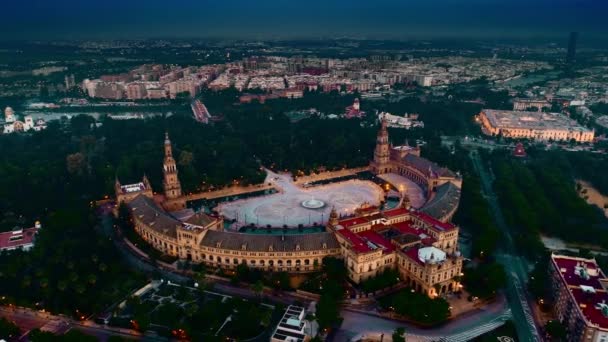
(526, 104)
(19, 238)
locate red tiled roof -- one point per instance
(378, 240)
(395, 212)
(406, 228)
(589, 301)
(357, 243)
(26, 237)
(368, 209)
(412, 253)
(585, 300)
(573, 279)
(353, 221)
(443, 226)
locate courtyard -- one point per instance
(293, 205)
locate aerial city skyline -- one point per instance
(304, 171)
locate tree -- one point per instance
(185, 158)
(556, 331)
(328, 312)
(258, 288)
(37, 335)
(75, 163)
(399, 335)
(485, 279)
(8, 329)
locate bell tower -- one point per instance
(381, 161)
(171, 185)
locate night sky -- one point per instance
(250, 19)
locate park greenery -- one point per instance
(72, 269)
(485, 279)
(8, 329)
(37, 335)
(332, 293)
(417, 307)
(540, 197)
(181, 312)
(386, 278)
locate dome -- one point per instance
(431, 254)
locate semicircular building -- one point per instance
(420, 243)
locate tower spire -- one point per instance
(171, 184)
(380, 164)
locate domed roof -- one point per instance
(431, 254)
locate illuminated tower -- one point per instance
(381, 162)
(171, 185)
(333, 218)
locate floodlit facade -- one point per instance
(533, 125)
(420, 244)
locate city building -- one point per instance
(580, 300)
(200, 112)
(533, 125)
(423, 249)
(14, 125)
(354, 111)
(419, 243)
(19, 238)
(9, 115)
(136, 91)
(441, 185)
(527, 104)
(292, 326)
(519, 151)
(69, 81)
(408, 121)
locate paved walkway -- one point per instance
(230, 191)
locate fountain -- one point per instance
(313, 204)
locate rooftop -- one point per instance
(427, 167)
(435, 223)
(147, 211)
(17, 238)
(129, 188)
(445, 200)
(276, 243)
(532, 120)
(583, 278)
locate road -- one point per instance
(464, 328)
(515, 266)
(28, 320)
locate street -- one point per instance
(515, 266)
(463, 328)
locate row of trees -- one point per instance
(556, 208)
(71, 270)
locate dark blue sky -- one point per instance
(52, 19)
